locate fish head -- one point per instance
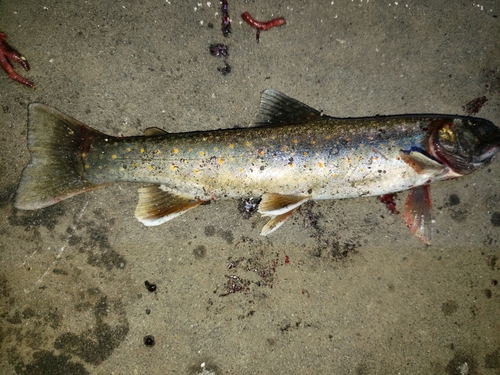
(464, 144)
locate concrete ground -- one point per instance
(341, 288)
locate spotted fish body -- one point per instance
(327, 159)
(291, 154)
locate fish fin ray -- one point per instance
(278, 109)
(157, 206)
(276, 204)
(417, 214)
(275, 222)
(56, 170)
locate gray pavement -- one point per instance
(341, 288)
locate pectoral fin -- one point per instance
(279, 208)
(417, 213)
(157, 206)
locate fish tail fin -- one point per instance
(56, 171)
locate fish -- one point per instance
(290, 154)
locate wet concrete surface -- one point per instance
(341, 288)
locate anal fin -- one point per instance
(417, 215)
(157, 206)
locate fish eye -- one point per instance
(446, 133)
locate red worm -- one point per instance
(262, 25)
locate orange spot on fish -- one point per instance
(231, 145)
(176, 151)
(202, 153)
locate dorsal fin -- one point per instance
(278, 109)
